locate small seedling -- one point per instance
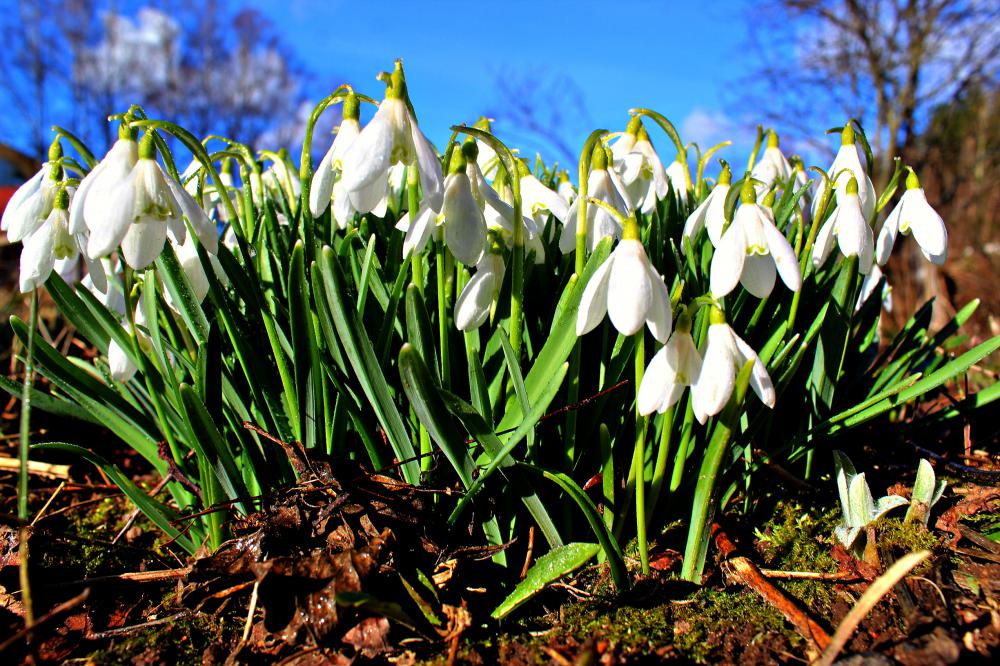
(857, 503)
(926, 493)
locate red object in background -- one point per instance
(6, 192)
(15, 168)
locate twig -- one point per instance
(138, 576)
(878, 589)
(124, 631)
(34, 467)
(253, 607)
(48, 503)
(808, 575)
(751, 576)
(58, 610)
(531, 550)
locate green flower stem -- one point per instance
(660, 467)
(413, 205)
(442, 303)
(704, 506)
(22, 480)
(25, 441)
(517, 271)
(639, 458)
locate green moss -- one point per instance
(711, 612)
(896, 538)
(796, 539)
(182, 641)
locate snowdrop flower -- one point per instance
(137, 213)
(751, 251)
(710, 213)
(678, 177)
(464, 223)
(392, 136)
(850, 225)
(772, 168)
(846, 165)
(868, 287)
(628, 289)
(89, 207)
(625, 142)
(539, 201)
(331, 166)
(725, 355)
(280, 179)
(111, 295)
(914, 215)
(600, 223)
(419, 231)
(119, 362)
(565, 188)
(187, 257)
(480, 293)
(47, 243)
(31, 203)
(677, 365)
(644, 175)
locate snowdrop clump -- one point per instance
(424, 307)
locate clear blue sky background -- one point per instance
(674, 57)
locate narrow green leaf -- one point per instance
(549, 567)
(157, 513)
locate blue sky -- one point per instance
(673, 57)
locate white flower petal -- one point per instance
(143, 242)
(473, 305)
(784, 257)
(629, 289)
(321, 189)
(758, 275)
(727, 262)
(367, 160)
(657, 381)
(928, 229)
(429, 168)
(464, 224)
(760, 381)
(594, 300)
(660, 317)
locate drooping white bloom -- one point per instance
(710, 213)
(566, 189)
(539, 201)
(91, 198)
(644, 176)
(419, 231)
(914, 215)
(107, 287)
(725, 355)
(600, 223)
(331, 166)
(772, 168)
(868, 287)
(628, 289)
(31, 203)
(476, 300)
(46, 244)
(849, 225)
(119, 361)
(676, 366)
(391, 137)
(677, 176)
(190, 261)
(751, 251)
(464, 223)
(137, 213)
(846, 165)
